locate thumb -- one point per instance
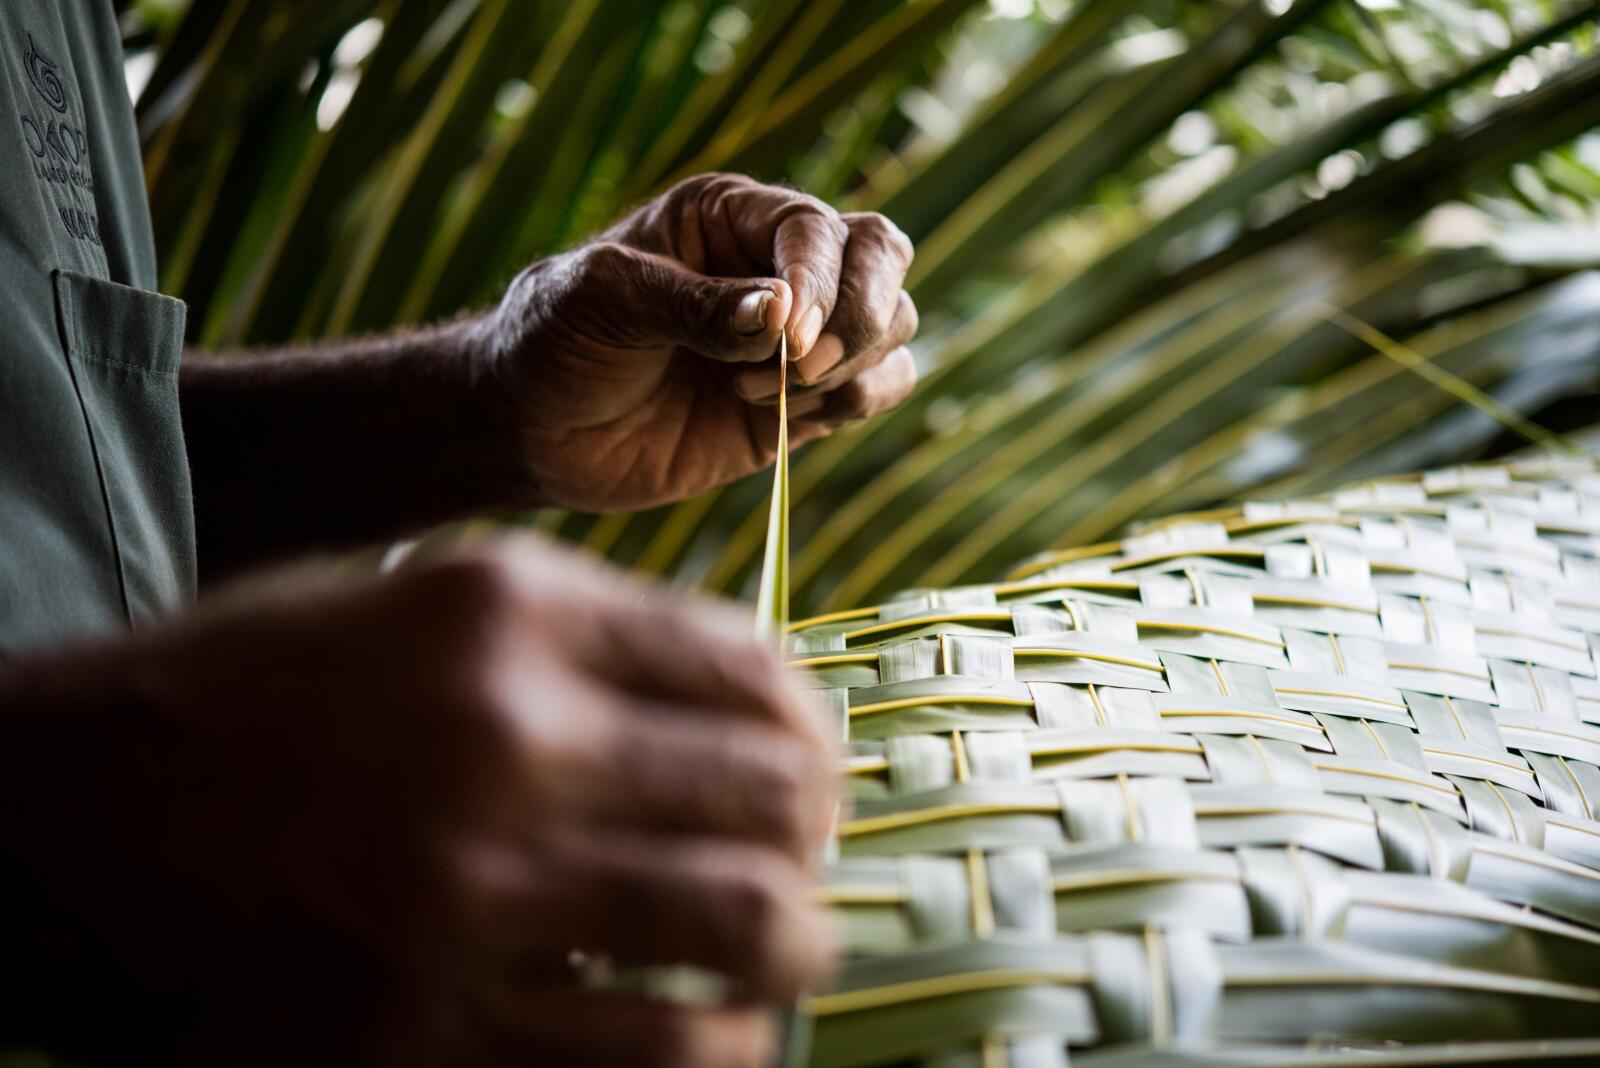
(662, 302)
(737, 320)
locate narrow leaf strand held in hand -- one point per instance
(772, 602)
(772, 622)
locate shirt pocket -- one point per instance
(123, 346)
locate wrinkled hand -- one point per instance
(634, 365)
(366, 824)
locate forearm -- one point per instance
(342, 445)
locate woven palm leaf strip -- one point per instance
(1314, 782)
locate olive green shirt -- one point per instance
(96, 518)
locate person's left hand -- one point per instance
(633, 366)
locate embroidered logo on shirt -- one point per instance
(59, 148)
(42, 73)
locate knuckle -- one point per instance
(711, 190)
(807, 204)
(867, 223)
(900, 241)
(778, 935)
(780, 792)
(819, 213)
(697, 183)
(720, 180)
(479, 608)
(759, 678)
(728, 618)
(907, 319)
(526, 282)
(723, 627)
(696, 187)
(870, 225)
(823, 948)
(704, 619)
(804, 714)
(822, 749)
(838, 227)
(476, 585)
(601, 270)
(603, 261)
(773, 683)
(880, 318)
(764, 660)
(872, 400)
(756, 903)
(896, 379)
(904, 368)
(882, 232)
(524, 298)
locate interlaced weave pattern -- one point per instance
(1313, 782)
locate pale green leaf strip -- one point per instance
(1457, 387)
(772, 602)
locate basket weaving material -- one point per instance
(1302, 783)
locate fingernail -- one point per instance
(824, 357)
(750, 317)
(806, 335)
(758, 385)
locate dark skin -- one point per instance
(344, 819)
(382, 849)
(624, 374)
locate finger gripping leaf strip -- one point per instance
(1310, 782)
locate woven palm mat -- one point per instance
(1313, 782)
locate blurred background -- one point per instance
(1151, 234)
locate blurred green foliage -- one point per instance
(1132, 218)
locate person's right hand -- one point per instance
(368, 823)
